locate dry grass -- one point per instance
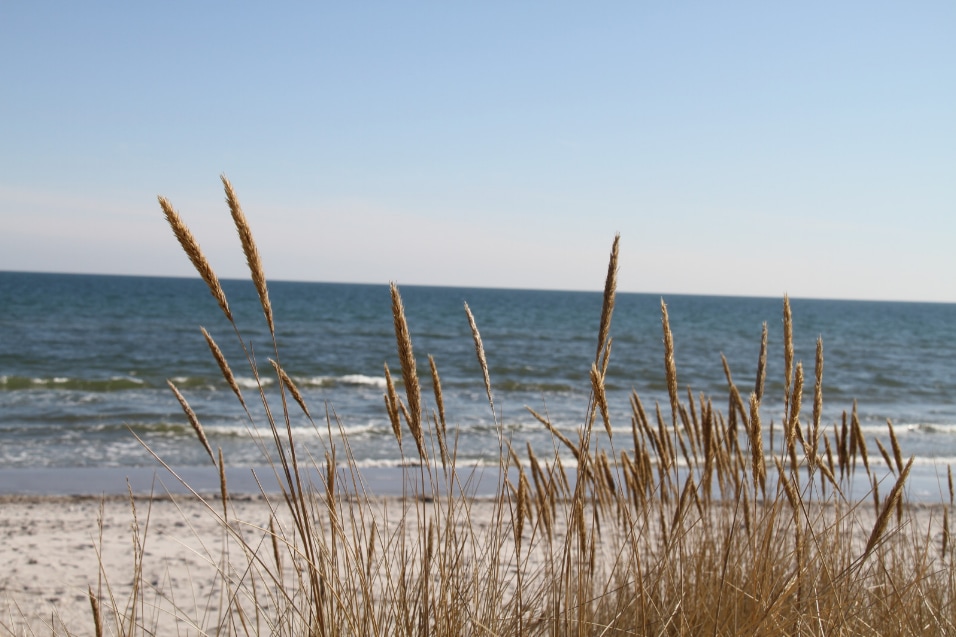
(689, 527)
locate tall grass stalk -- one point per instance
(677, 530)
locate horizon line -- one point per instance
(662, 295)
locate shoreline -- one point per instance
(927, 483)
(241, 481)
(58, 546)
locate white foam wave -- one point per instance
(939, 461)
(347, 379)
(246, 382)
(262, 433)
(378, 463)
(463, 466)
(129, 379)
(927, 428)
(360, 379)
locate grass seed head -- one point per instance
(191, 247)
(249, 248)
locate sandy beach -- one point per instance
(56, 548)
(52, 547)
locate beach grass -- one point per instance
(690, 525)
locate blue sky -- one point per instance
(739, 148)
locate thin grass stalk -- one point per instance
(600, 397)
(841, 437)
(949, 482)
(249, 248)
(886, 457)
(855, 436)
(573, 448)
(723, 460)
(291, 386)
(876, 495)
(882, 521)
(482, 361)
(666, 458)
(191, 247)
(944, 542)
(831, 478)
(694, 430)
(441, 429)
(688, 433)
(276, 555)
(406, 358)
(898, 456)
(607, 305)
(224, 367)
(98, 616)
(543, 494)
(391, 406)
(897, 452)
(139, 551)
(829, 456)
(861, 441)
(670, 366)
(223, 491)
(796, 404)
(709, 449)
(792, 430)
(761, 377)
(439, 400)
(817, 400)
(756, 444)
(193, 420)
(689, 458)
(787, 353)
(797, 513)
(736, 406)
(296, 498)
(330, 504)
(637, 408)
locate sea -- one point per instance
(85, 407)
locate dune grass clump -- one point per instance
(689, 526)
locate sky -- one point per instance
(739, 148)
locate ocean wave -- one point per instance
(347, 379)
(359, 379)
(114, 383)
(463, 465)
(880, 430)
(927, 428)
(299, 432)
(876, 460)
(246, 382)
(195, 382)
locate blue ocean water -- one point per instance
(84, 361)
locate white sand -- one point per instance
(51, 552)
(51, 547)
